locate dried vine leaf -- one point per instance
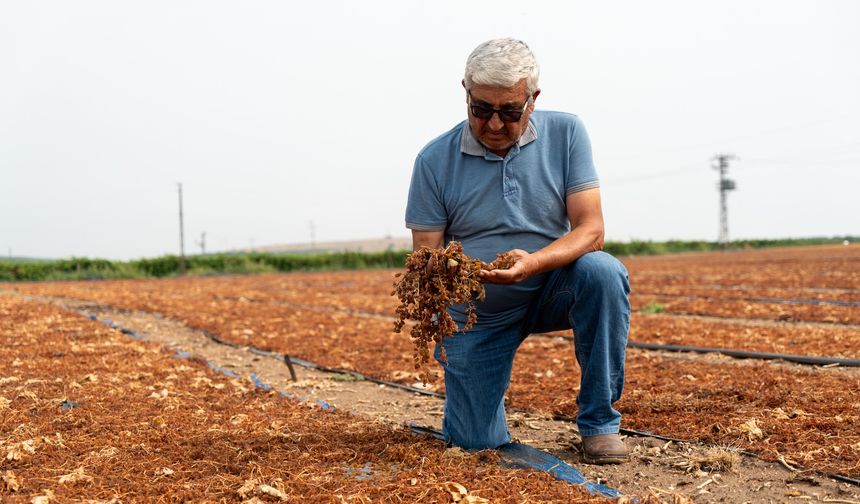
(434, 280)
(11, 482)
(247, 489)
(274, 492)
(459, 493)
(751, 429)
(43, 499)
(76, 476)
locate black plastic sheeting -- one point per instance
(68, 404)
(521, 456)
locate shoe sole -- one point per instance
(607, 459)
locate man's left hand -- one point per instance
(522, 269)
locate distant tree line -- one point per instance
(82, 268)
(640, 247)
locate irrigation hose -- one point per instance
(638, 433)
(756, 300)
(739, 354)
(288, 361)
(744, 354)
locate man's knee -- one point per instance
(599, 270)
(456, 354)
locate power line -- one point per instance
(801, 162)
(655, 175)
(697, 165)
(750, 135)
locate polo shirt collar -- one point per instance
(470, 145)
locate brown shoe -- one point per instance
(604, 449)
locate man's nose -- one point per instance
(495, 122)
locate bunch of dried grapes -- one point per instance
(434, 280)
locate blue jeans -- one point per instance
(588, 296)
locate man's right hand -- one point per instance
(430, 239)
(523, 268)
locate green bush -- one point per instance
(82, 268)
(653, 308)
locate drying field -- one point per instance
(216, 435)
(89, 414)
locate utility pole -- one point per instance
(721, 163)
(313, 228)
(181, 234)
(202, 243)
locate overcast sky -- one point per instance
(276, 115)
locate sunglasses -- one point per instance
(507, 114)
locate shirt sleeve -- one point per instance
(424, 208)
(581, 173)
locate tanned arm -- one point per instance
(432, 239)
(586, 235)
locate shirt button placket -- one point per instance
(505, 179)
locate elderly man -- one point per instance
(514, 179)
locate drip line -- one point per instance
(757, 300)
(744, 354)
(742, 287)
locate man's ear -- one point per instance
(535, 95)
(463, 82)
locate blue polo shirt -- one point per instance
(492, 204)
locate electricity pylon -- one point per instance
(721, 163)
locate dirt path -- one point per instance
(655, 464)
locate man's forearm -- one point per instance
(431, 239)
(567, 249)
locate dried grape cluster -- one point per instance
(434, 280)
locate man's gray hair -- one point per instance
(502, 62)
